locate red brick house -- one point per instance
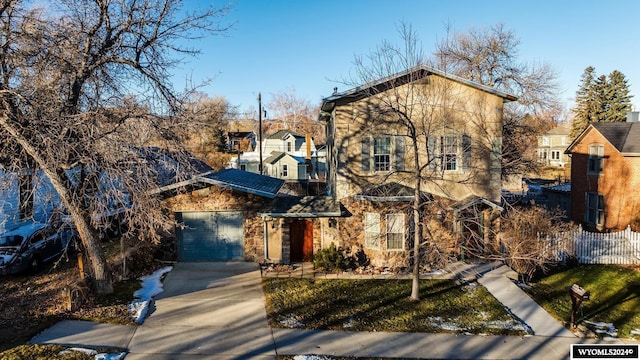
(605, 176)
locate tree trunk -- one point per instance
(417, 229)
(101, 275)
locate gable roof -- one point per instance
(282, 134)
(240, 134)
(412, 74)
(562, 129)
(624, 136)
(277, 155)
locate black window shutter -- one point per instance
(466, 152)
(366, 154)
(399, 153)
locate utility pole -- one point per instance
(260, 131)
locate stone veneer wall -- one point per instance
(216, 198)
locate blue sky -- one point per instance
(276, 45)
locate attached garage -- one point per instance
(210, 235)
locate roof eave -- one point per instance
(359, 91)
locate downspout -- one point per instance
(265, 237)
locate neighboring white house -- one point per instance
(285, 155)
(552, 144)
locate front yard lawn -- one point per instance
(384, 305)
(615, 296)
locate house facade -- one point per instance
(380, 133)
(552, 146)
(241, 141)
(605, 176)
(285, 155)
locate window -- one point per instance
(596, 158)
(289, 146)
(545, 141)
(285, 170)
(395, 232)
(382, 154)
(243, 167)
(449, 153)
(595, 208)
(385, 150)
(555, 155)
(372, 230)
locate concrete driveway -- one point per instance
(207, 310)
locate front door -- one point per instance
(301, 235)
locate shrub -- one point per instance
(330, 259)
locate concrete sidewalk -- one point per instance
(216, 311)
(520, 305)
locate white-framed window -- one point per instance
(449, 153)
(555, 155)
(285, 170)
(545, 141)
(382, 154)
(596, 158)
(243, 167)
(395, 231)
(372, 230)
(289, 146)
(594, 213)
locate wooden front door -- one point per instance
(301, 235)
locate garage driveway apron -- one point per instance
(207, 310)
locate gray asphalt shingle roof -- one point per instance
(308, 206)
(624, 136)
(281, 134)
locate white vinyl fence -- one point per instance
(621, 247)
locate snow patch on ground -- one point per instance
(291, 322)
(439, 322)
(311, 357)
(151, 286)
(139, 309)
(91, 352)
(349, 323)
(604, 328)
(507, 324)
(635, 332)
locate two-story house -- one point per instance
(605, 176)
(285, 155)
(424, 121)
(552, 146)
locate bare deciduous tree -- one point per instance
(489, 56)
(294, 113)
(531, 239)
(85, 96)
(206, 137)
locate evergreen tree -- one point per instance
(582, 115)
(599, 99)
(617, 97)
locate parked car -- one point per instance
(31, 245)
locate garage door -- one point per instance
(210, 236)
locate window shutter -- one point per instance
(399, 153)
(432, 148)
(466, 152)
(366, 154)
